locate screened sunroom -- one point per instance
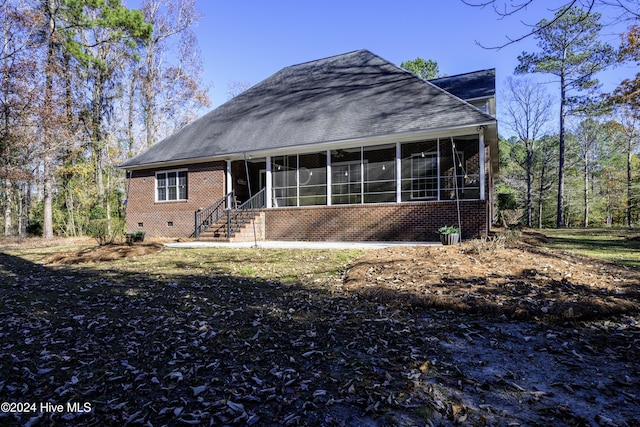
(432, 170)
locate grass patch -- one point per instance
(618, 245)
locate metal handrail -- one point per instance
(235, 218)
(204, 218)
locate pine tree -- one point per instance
(570, 51)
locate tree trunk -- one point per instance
(560, 208)
(47, 185)
(131, 118)
(8, 211)
(608, 208)
(71, 229)
(21, 212)
(97, 137)
(541, 197)
(585, 221)
(68, 152)
(47, 172)
(629, 148)
(529, 189)
(148, 95)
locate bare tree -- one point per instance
(18, 27)
(528, 112)
(630, 132)
(18, 101)
(235, 88)
(548, 149)
(171, 66)
(588, 134)
(627, 10)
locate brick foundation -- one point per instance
(417, 221)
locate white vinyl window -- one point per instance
(171, 186)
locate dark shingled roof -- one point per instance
(477, 84)
(344, 97)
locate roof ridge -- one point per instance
(326, 58)
(461, 74)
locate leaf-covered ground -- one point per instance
(275, 337)
(515, 282)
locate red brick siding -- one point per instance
(205, 185)
(418, 221)
(253, 230)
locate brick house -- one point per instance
(346, 148)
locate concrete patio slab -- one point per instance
(297, 245)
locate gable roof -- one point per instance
(351, 96)
(474, 85)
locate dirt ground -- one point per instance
(557, 338)
(516, 280)
(104, 253)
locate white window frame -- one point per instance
(359, 194)
(415, 178)
(167, 173)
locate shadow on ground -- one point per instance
(210, 345)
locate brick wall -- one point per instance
(409, 221)
(417, 221)
(172, 218)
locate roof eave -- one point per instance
(329, 145)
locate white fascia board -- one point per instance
(329, 145)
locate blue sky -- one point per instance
(247, 41)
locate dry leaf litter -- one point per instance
(405, 336)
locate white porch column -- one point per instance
(438, 167)
(269, 184)
(328, 177)
(482, 160)
(398, 173)
(229, 183)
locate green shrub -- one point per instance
(105, 231)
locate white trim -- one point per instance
(349, 183)
(167, 172)
(229, 178)
(439, 156)
(398, 172)
(269, 183)
(482, 162)
(362, 174)
(403, 137)
(329, 178)
(413, 178)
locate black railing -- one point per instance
(237, 218)
(204, 218)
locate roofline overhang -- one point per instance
(491, 138)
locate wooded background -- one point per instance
(87, 84)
